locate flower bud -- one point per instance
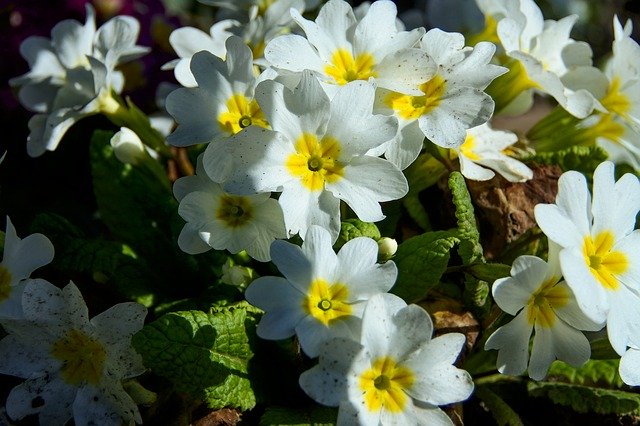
(127, 146)
(387, 247)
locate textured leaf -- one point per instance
(421, 261)
(470, 249)
(602, 373)
(316, 416)
(585, 399)
(353, 228)
(500, 410)
(205, 355)
(584, 159)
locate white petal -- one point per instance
(47, 395)
(292, 52)
(590, 295)
(119, 323)
(190, 240)
(379, 327)
(107, 404)
(623, 320)
(359, 268)
(512, 342)
(196, 115)
(303, 208)
(630, 367)
(22, 356)
(312, 334)
(528, 273)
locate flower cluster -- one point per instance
(306, 134)
(72, 366)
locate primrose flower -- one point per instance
(316, 156)
(484, 146)
(20, 258)
(396, 375)
(630, 367)
(451, 96)
(540, 301)
(216, 219)
(599, 256)
(73, 366)
(222, 104)
(541, 53)
(339, 48)
(322, 294)
(73, 74)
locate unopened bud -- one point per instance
(127, 146)
(387, 247)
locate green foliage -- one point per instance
(500, 410)
(587, 399)
(316, 416)
(592, 373)
(488, 271)
(108, 262)
(353, 228)
(421, 174)
(137, 206)
(584, 159)
(204, 355)
(470, 249)
(421, 261)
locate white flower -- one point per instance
(219, 220)
(487, 147)
(338, 48)
(543, 52)
(396, 375)
(451, 97)
(316, 157)
(322, 294)
(20, 258)
(72, 75)
(127, 146)
(539, 301)
(222, 104)
(73, 366)
(599, 259)
(630, 367)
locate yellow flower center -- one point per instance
(325, 302)
(315, 162)
(541, 305)
(345, 68)
(5, 283)
(234, 211)
(241, 113)
(411, 107)
(82, 358)
(616, 101)
(604, 263)
(383, 385)
(467, 148)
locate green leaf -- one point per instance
(500, 410)
(421, 174)
(488, 271)
(108, 262)
(353, 228)
(470, 249)
(584, 159)
(585, 399)
(316, 416)
(602, 373)
(204, 355)
(139, 209)
(421, 261)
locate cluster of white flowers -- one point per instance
(72, 366)
(377, 359)
(300, 120)
(73, 75)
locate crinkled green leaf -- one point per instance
(584, 159)
(470, 249)
(353, 228)
(585, 399)
(421, 261)
(500, 410)
(204, 355)
(316, 416)
(108, 262)
(602, 373)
